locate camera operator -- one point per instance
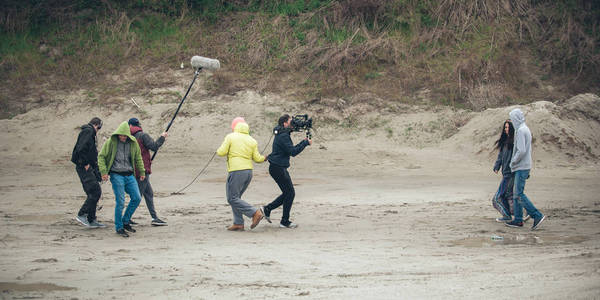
(279, 161)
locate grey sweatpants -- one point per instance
(148, 194)
(237, 182)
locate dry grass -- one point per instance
(474, 54)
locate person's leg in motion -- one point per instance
(131, 188)
(237, 183)
(118, 186)
(148, 194)
(277, 174)
(498, 202)
(289, 193)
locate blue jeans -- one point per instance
(503, 199)
(520, 200)
(121, 185)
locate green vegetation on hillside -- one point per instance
(477, 54)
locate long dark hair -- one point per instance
(506, 139)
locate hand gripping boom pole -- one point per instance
(199, 63)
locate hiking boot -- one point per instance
(258, 215)
(504, 219)
(514, 224)
(289, 225)
(96, 224)
(131, 222)
(128, 228)
(266, 214)
(236, 227)
(158, 222)
(537, 222)
(122, 233)
(83, 220)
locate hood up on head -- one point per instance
(123, 129)
(517, 117)
(236, 121)
(242, 127)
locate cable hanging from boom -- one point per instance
(179, 192)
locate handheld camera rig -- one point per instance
(302, 123)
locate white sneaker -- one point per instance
(291, 225)
(83, 220)
(268, 218)
(503, 219)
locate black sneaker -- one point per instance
(158, 222)
(131, 222)
(96, 224)
(537, 222)
(266, 214)
(514, 224)
(128, 228)
(122, 233)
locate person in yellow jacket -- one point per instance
(241, 149)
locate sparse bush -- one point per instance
(475, 54)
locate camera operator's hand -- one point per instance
(165, 134)
(309, 141)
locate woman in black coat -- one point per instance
(503, 200)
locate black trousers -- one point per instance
(92, 189)
(283, 180)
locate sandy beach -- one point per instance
(384, 212)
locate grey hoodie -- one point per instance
(521, 157)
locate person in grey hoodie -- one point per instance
(521, 164)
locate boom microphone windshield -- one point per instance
(199, 63)
(205, 63)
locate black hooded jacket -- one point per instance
(85, 151)
(283, 147)
(503, 160)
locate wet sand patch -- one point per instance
(495, 240)
(33, 287)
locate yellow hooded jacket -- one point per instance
(241, 149)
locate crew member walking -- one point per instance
(85, 158)
(146, 143)
(279, 161)
(241, 149)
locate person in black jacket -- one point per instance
(146, 144)
(85, 158)
(279, 161)
(502, 200)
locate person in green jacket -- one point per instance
(241, 149)
(120, 157)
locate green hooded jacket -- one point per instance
(106, 157)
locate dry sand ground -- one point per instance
(385, 212)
